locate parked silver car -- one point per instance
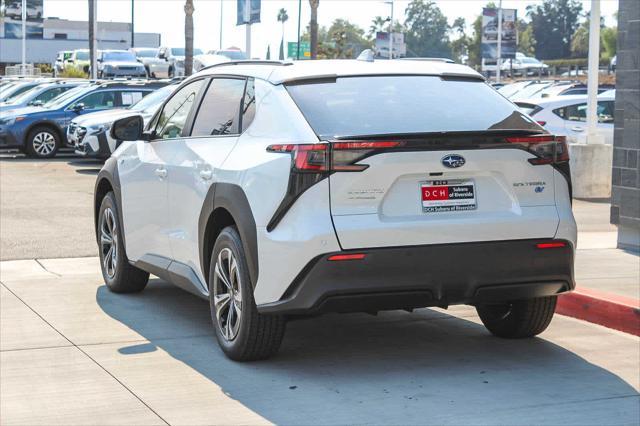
(170, 63)
(119, 63)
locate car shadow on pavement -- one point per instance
(393, 368)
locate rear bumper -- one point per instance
(433, 275)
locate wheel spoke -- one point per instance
(220, 273)
(105, 238)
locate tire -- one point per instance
(42, 142)
(520, 319)
(170, 72)
(242, 333)
(119, 275)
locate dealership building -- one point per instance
(46, 37)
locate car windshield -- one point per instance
(179, 51)
(82, 56)
(511, 89)
(378, 105)
(530, 90)
(153, 99)
(118, 56)
(24, 96)
(63, 99)
(233, 54)
(146, 53)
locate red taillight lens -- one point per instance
(551, 244)
(355, 256)
(542, 123)
(306, 157)
(315, 157)
(548, 149)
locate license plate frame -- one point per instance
(448, 195)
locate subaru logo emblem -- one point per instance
(453, 161)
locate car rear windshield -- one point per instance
(377, 105)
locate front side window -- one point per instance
(98, 100)
(174, 115)
(219, 112)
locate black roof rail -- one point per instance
(249, 62)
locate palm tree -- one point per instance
(188, 37)
(282, 17)
(377, 25)
(313, 28)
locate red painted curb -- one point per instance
(609, 310)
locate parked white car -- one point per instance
(170, 62)
(89, 134)
(525, 66)
(289, 189)
(206, 60)
(566, 115)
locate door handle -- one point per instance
(206, 174)
(577, 129)
(161, 172)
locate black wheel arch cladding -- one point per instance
(232, 199)
(108, 180)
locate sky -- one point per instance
(167, 17)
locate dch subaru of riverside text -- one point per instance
(277, 190)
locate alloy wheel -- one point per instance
(109, 243)
(227, 295)
(44, 143)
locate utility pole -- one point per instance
(499, 61)
(299, 18)
(592, 76)
(23, 68)
(93, 46)
(132, 26)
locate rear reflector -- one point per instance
(552, 244)
(338, 257)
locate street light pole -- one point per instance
(499, 61)
(247, 15)
(221, 10)
(24, 37)
(132, 27)
(391, 33)
(299, 19)
(592, 76)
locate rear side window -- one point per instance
(249, 104)
(219, 113)
(377, 105)
(47, 95)
(578, 112)
(129, 98)
(98, 100)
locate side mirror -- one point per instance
(78, 107)
(128, 128)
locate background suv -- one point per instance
(119, 63)
(276, 190)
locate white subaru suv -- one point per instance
(276, 190)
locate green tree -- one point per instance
(342, 39)
(526, 39)
(460, 45)
(554, 22)
(426, 30)
(609, 42)
(377, 24)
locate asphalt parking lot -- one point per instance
(73, 353)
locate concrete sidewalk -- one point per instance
(74, 353)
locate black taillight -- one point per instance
(548, 149)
